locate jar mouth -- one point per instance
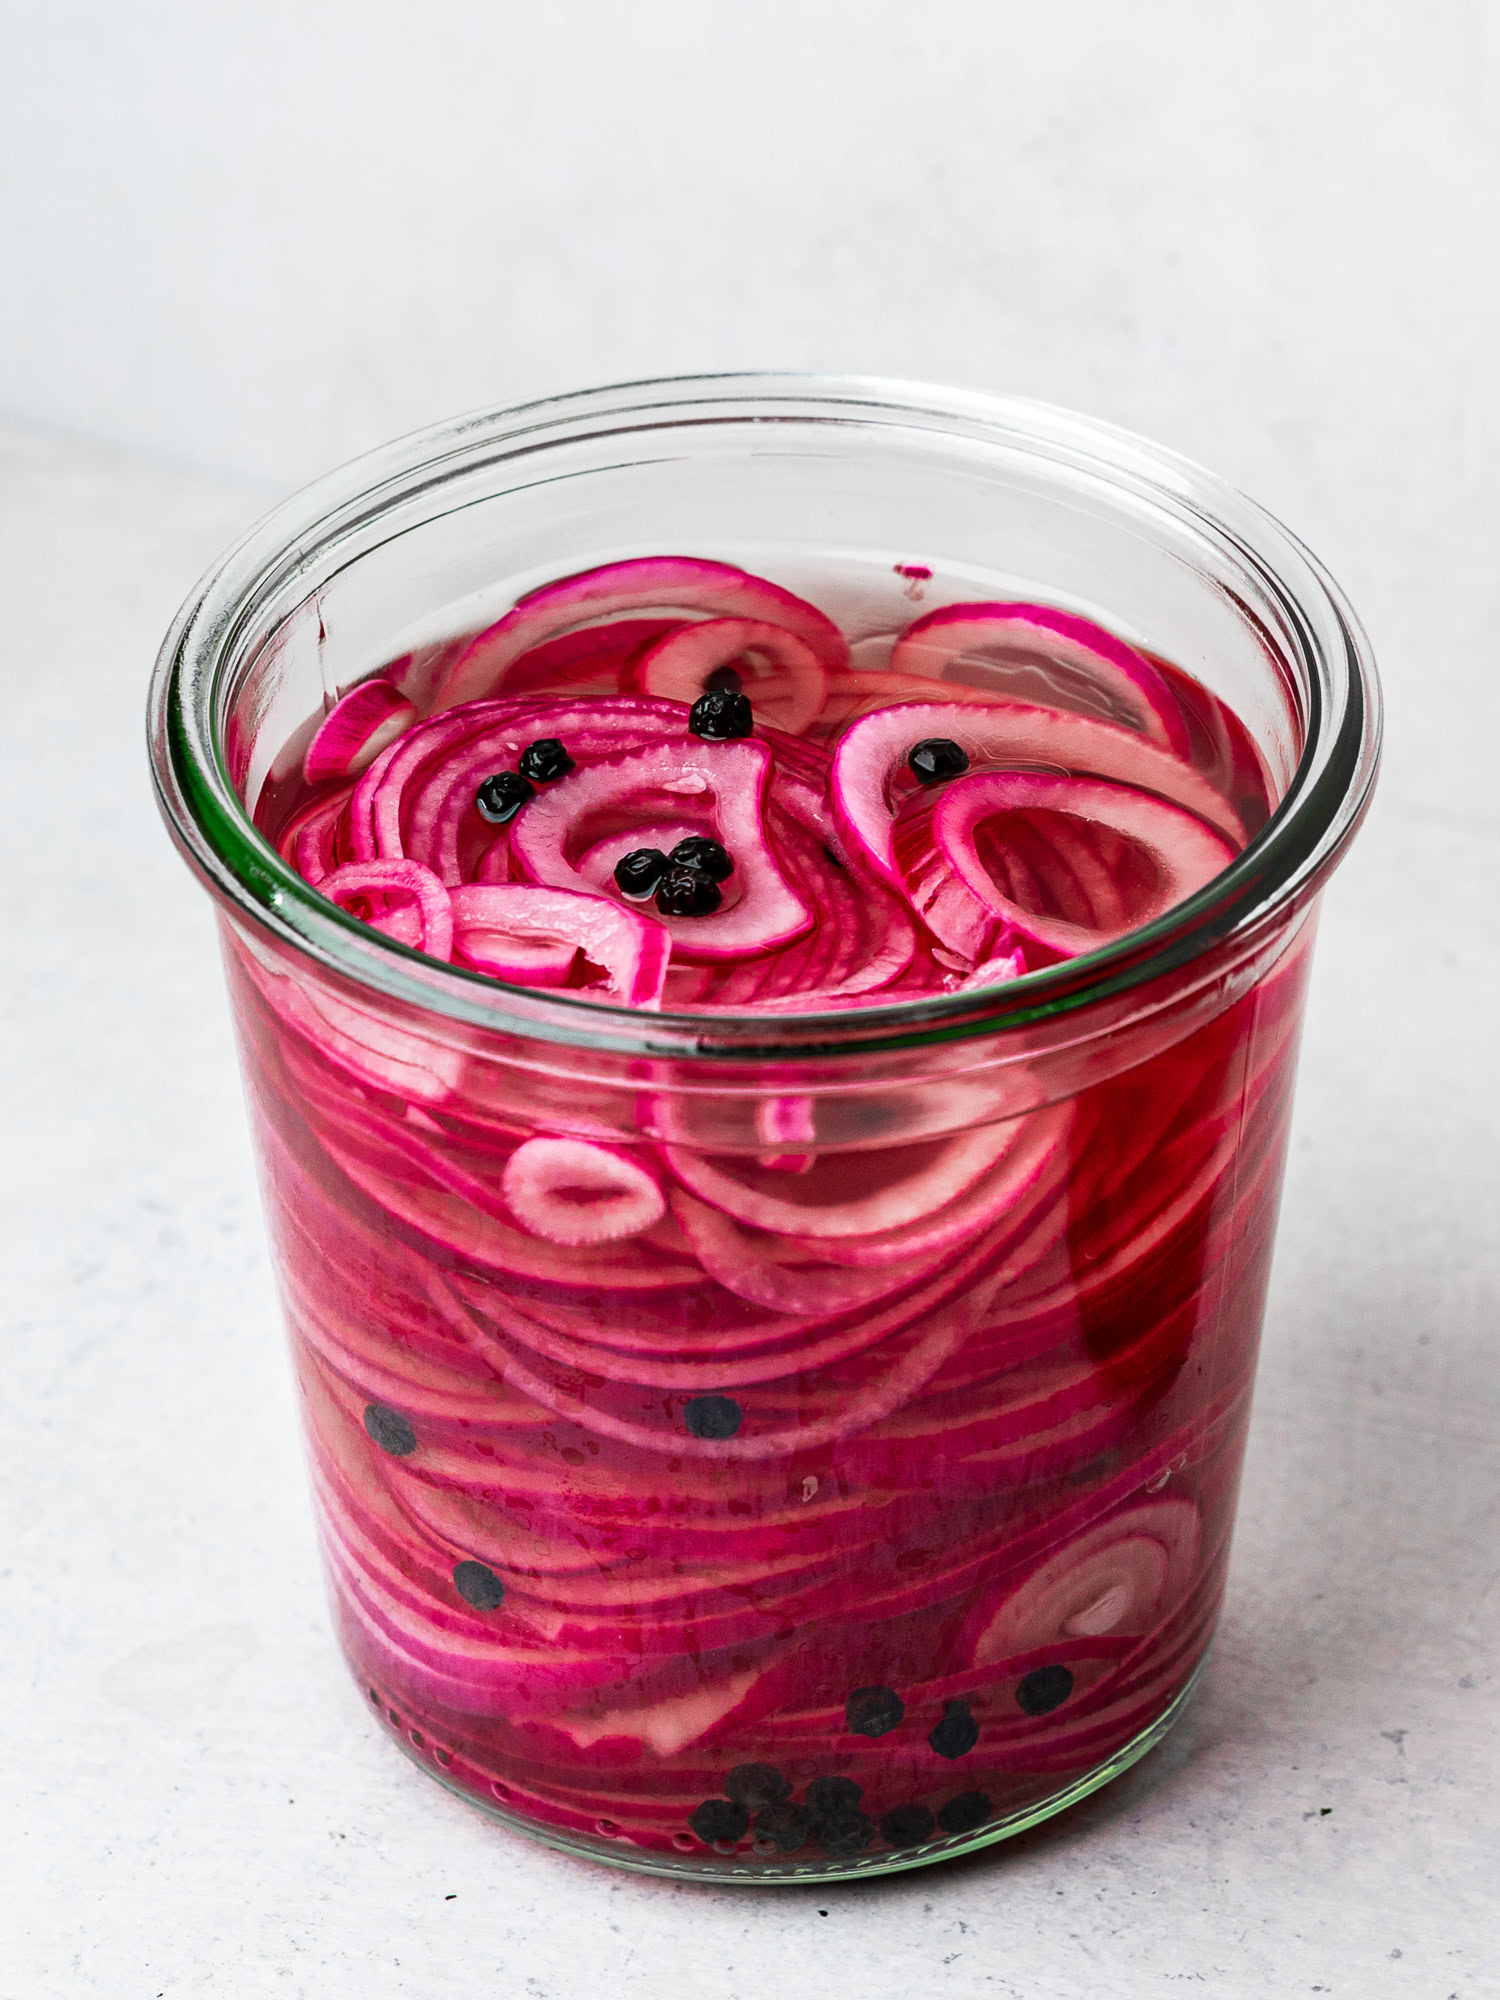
(316, 533)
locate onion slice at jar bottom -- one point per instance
(1118, 1576)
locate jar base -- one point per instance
(859, 1867)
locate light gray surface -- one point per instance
(270, 235)
(195, 1801)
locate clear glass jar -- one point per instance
(643, 1567)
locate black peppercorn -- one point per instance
(500, 798)
(683, 892)
(1044, 1689)
(638, 873)
(699, 851)
(936, 758)
(714, 1417)
(545, 760)
(720, 715)
(873, 1711)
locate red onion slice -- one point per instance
(865, 692)
(1046, 658)
(761, 1269)
(418, 796)
(780, 673)
(571, 833)
(1116, 1577)
(1068, 864)
(517, 924)
(368, 889)
(662, 586)
(994, 972)
(1019, 1187)
(312, 841)
(870, 778)
(356, 729)
(595, 660)
(575, 1191)
(846, 1194)
(500, 951)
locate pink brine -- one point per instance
(755, 1492)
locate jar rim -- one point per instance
(1279, 869)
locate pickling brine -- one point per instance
(796, 1493)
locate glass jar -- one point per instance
(896, 1550)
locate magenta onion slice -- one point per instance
(352, 1043)
(846, 1194)
(862, 692)
(1014, 1189)
(865, 1406)
(1069, 864)
(870, 779)
(519, 961)
(994, 972)
(418, 796)
(369, 888)
(780, 674)
(570, 835)
(761, 1269)
(311, 843)
(461, 1219)
(660, 586)
(520, 926)
(669, 1725)
(598, 658)
(575, 1191)
(1117, 1576)
(356, 729)
(1047, 658)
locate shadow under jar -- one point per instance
(770, 1547)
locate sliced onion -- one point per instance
(574, 1191)
(1067, 864)
(780, 674)
(870, 777)
(1117, 1576)
(417, 799)
(661, 586)
(846, 1194)
(370, 888)
(868, 691)
(312, 841)
(759, 1267)
(598, 658)
(356, 729)
(570, 835)
(1046, 658)
(994, 972)
(519, 925)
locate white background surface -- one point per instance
(254, 240)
